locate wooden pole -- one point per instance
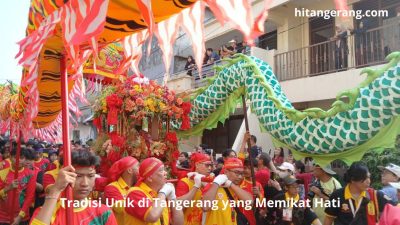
(246, 122)
(65, 133)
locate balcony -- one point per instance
(362, 49)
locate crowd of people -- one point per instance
(211, 56)
(208, 191)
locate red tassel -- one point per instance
(114, 104)
(186, 106)
(117, 140)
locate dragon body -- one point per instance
(360, 118)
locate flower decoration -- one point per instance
(128, 103)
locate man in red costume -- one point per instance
(247, 185)
(40, 162)
(122, 176)
(189, 188)
(225, 188)
(151, 186)
(81, 175)
(16, 196)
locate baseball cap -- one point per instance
(392, 168)
(290, 180)
(327, 169)
(286, 166)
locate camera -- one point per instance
(317, 184)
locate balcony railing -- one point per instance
(359, 49)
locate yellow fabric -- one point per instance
(192, 215)
(2, 194)
(36, 222)
(3, 173)
(57, 163)
(241, 155)
(225, 216)
(21, 214)
(119, 210)
(348, 195)
(144, 188)
(288, 198)
(123, 18)
(49, 87)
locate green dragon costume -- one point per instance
(363, 118)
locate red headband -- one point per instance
(120, 166)
(148, 167)
(199, 158)
(232, 163)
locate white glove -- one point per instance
(191, 174)
(197, 180)
(220, 179)
(227, 184)
(168, 190)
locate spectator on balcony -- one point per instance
(230, 51)
(233, 47)
(360, 35)
(243, 47)
(340, 47)
(224, 52)
(212, 56)
(190, 65)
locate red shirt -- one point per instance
(307, 179)
(42, 164)
(278, 160)
(262, 176)
(25, 194)
(49, 178)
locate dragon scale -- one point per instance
(371, 106)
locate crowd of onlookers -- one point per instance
(211, 56)
(277, 174)
(281, 175)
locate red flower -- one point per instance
(179, 101)
(171, 137)
(170, 98)
(139, 101)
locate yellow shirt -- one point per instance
(137, 214)
(221, 215)
(115, 194)
(193, 215)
